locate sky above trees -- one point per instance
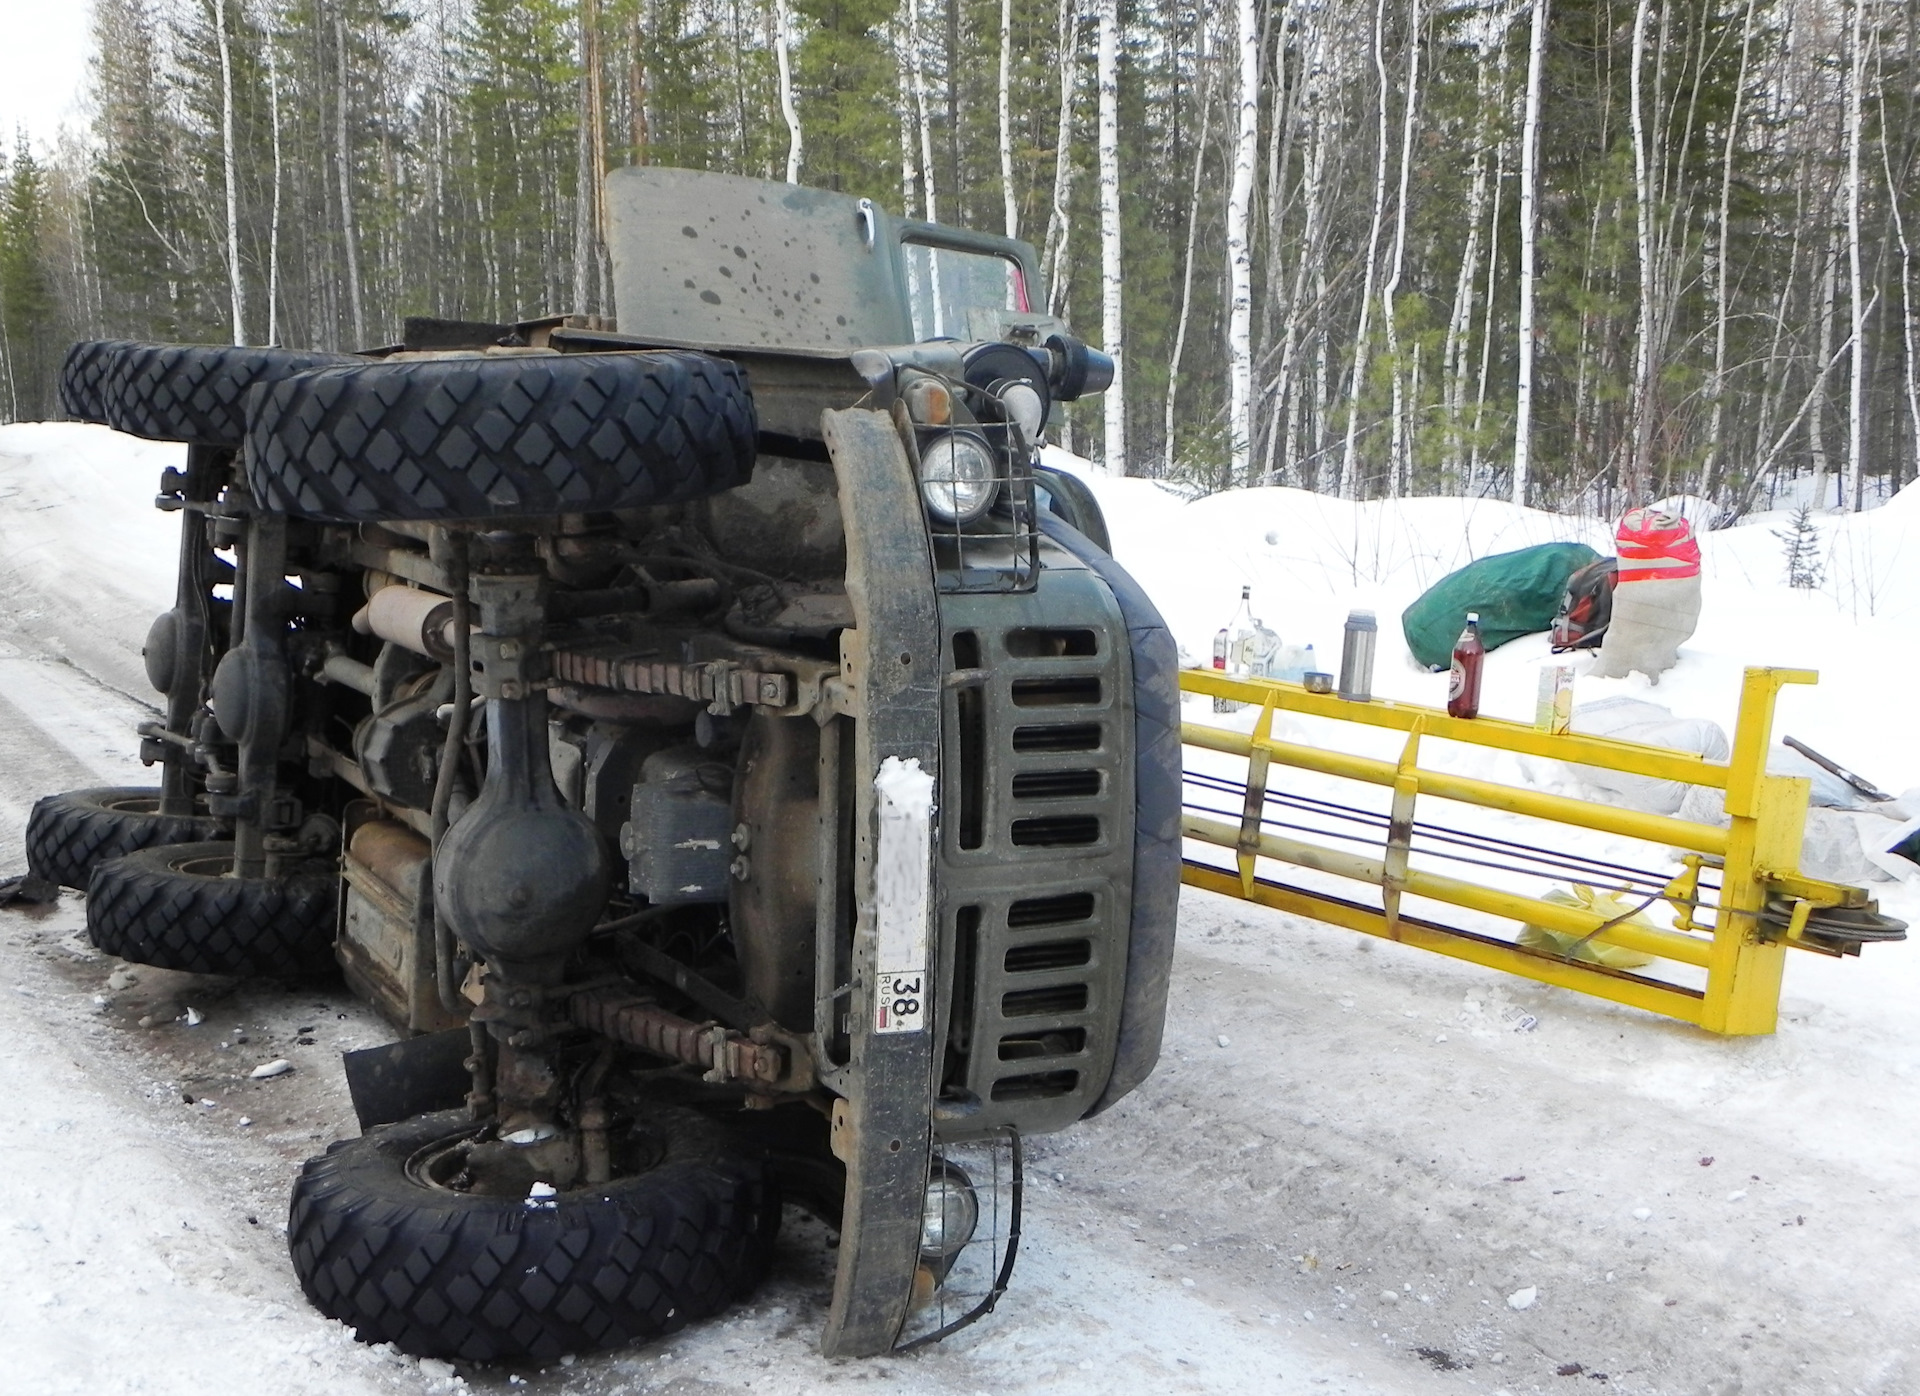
(43, 67)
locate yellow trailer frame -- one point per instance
(1764, 901)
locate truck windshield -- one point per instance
(945, 287)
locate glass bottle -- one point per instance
(1238, 634)
(1463, 683)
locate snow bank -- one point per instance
(86, 561)
(1310, 558)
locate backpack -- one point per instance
(1586, 606)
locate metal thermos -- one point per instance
(1356, 657)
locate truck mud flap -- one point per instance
(414, 1076)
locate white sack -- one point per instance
(1650, 621)
(1636, 720)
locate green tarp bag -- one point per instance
(1515, 593)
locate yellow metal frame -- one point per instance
(1757, 856)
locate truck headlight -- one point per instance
(950, 1214)
(959, 476)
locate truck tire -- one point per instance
(440, 1273)
(196, 393)
(498, 438)
(175, 907)
(67, 835)
(83, 380)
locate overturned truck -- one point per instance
(718, 743)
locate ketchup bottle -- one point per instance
(1463, 684)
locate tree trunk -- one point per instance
(1645, 368)
(782, 46)
(1817, 412)
(584, 179)
(1856, 387)
(273, 222)
(636, 83)
(1911, 380)
(909, 176)
(1398, 463)
(236, 276)
(350, 233)
(1529, 234)
(920, 103)
(1489, 325)
(1186, 274)
(1240, 254)
(1114, 444)
(1053, 257)
(1722, 263)
(1349, 452)
(1453, 354)
(1006, 120)
(597, 153)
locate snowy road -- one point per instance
(1346, 1164)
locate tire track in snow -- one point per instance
(59, 730)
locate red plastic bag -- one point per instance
(1656, 546)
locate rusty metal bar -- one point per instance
(717, 682)
(627, 1018)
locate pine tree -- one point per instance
(28, 314)
(846, 81)
(1800, 541)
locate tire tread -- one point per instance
(501, 437)
(144, 908)
(195, 393)
(445, 1274)
(69, 834)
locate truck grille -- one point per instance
(1036, 848)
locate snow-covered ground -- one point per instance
(1347, 1163)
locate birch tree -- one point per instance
(782, 48)
(1112, 334)
(1006, 119)
(1723, 259)
(1529, 238)
(1349, 468)
(1398, 469)
(343, 162)
(236, 276)
(1857, 340)
(1639, 466)
(1240, 251)
(1200, 151)
(1717, 199)
(273, 225)
(1059, 219)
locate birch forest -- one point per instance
(1580, 253)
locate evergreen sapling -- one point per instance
(1801, 540)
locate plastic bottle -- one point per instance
(1463, 683)
(1356, 657)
